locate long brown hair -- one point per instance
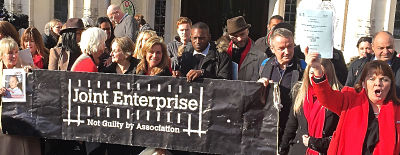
(379, 67)
(143, 65)
(329, 71)
(8, 30)
(31, 33)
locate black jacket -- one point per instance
(297, 126)
(113, 67)
(249, 70)
(165, 72)
(262, 45)
(49, 41)
(357, 66)
(291, 75)
(172, 47)
(216, 65)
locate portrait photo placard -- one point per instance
(14, 82)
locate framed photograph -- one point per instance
(14, 82)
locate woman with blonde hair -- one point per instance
(141, 40)
(310, 125)
(13, 144)
(32, 40)
(155, 59)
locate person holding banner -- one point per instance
(13, 144)
(92, 46)
(283, 68)
(201, 59)
(369, 112)
(155, 61)
(310, 125)
(243, 51)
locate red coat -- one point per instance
(352, 108)
(84, 64)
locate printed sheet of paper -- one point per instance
(25, 57)
(316, 29)
(14, 82)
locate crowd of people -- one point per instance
(327, 107)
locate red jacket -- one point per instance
(84, 64)
(352, 108)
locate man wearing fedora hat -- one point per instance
(242, 49)
(125, 24)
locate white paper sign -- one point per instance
(14, 82)
(315, 28)
(25, 57)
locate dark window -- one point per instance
(159, 21)
(61, 10)
(254, 11)
(396, 31)
(290, 12)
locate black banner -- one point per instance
(211, 116)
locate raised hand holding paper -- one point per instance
(316, 29)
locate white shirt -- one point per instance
(205, 52)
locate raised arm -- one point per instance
(331, 99)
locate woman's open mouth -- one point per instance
(378, 92)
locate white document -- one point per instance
(25, 57)
(315, 28)
(14, 81)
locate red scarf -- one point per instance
(38, 61)
(315, 116)
(387, 130)
(244, 53)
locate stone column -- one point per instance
(359, 23)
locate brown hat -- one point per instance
(72, 23)
(236, 24)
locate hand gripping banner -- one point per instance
(210, 116)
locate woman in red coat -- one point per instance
(92, 46)
(369, 114)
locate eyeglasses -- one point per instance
(241, 35)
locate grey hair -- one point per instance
(92, 39)
(87, 22)
(282, 32)
(47, 28)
